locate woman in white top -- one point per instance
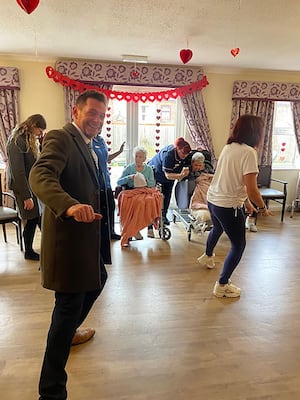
(233, 186)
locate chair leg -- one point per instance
(4, 232)
(283, 209)
(20, 234)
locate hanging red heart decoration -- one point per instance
(157, 124)
(282, 149)
(283, 144)
(107, 115)
(108, 129)
(235, 51)
(134, 74)
(108, 135)
(185, 55)
(28, 5)
(156, 144)
(158, 111)
(156, 150)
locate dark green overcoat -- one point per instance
(64, 175)
(20, 162)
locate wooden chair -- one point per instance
(10, 215)
(264, 181)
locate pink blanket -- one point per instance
(198, 199)
(138, 208)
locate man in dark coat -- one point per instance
(75, 240)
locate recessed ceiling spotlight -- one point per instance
(135, 59)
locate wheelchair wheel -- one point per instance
(164, 233)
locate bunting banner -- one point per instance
(128, 96)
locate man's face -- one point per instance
(90, 117)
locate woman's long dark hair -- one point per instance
(248, 129)
(26, 129)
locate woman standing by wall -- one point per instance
(22, 152)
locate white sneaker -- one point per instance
(250, 224)
(228, 290)
(207, 261)
(150, 233)
(138, 236)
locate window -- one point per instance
(2, 163)
(284, 146)
(152, 125)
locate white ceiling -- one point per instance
(266, 31)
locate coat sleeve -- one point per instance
(45, 174)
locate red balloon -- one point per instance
(186, 55)
(235, 51)
(28, 5)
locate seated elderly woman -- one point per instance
(191, 192)
(142, 205)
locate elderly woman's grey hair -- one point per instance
(198, 157)
(141, 149)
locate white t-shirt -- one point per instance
(227, 188)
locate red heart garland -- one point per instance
(235, 51)
(157, 124)
(108, 135)
(158, 111)
(28, 5)
(108, 142)
(156, 150)
(108, 108)
(186, 55)
(108, 129)
(156, 144)
(107, 115)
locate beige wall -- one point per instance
(39, 94)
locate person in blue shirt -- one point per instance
(101, 149)
(170, 164)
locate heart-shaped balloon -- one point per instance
(28, 5)
(186, 55)
(235, 51)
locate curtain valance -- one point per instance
(129, 73)
(256, 90)
(9, 78)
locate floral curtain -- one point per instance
(9, 104)
(271, 91)
(197, 122)
(265, 110)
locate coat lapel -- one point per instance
(83, 149)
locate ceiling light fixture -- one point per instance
(135, 59)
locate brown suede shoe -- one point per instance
(82, 335)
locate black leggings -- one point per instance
(29, 231)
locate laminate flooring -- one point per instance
(160, 333)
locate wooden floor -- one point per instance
(161, 335)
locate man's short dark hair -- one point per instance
(91, 94)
